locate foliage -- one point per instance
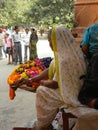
(52, 12)
(12, 12)
(36, 12)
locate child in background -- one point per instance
(9, 49)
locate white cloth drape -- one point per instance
(70, 65)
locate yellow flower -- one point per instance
(23, 75)
(21, 69)
(32, 63)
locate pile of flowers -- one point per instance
(27, 70)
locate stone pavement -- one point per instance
(21, 111)
(18, 112)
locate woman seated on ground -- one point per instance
(63, 86)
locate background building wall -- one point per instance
(85, 14)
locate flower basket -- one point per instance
(27, 70)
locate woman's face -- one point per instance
(49, 38)
(50, 43)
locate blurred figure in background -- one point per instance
(9, 49)
(26, 39)
(32, 44)
(16, 37)
(1, 43)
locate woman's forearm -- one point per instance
(49, 83)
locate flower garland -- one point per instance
(27, 70)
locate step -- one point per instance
(23, 128)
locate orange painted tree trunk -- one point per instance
(86, 12)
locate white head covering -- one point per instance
(70, 64)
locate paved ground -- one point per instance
(21, 111)
(18, 112)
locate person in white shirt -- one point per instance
(26, 39)
(16, 37)
(1, 43)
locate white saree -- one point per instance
(70, 65)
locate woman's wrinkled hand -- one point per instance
(25, 84)
(25, 81)
(21, 82)
(17, 84)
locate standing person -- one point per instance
(64, 84)
(1, 43)
(9, 48)
(89, 92)
(32, 44)
(26, 39)
(16, 37)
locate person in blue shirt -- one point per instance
(89, 42)
(89, 92)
